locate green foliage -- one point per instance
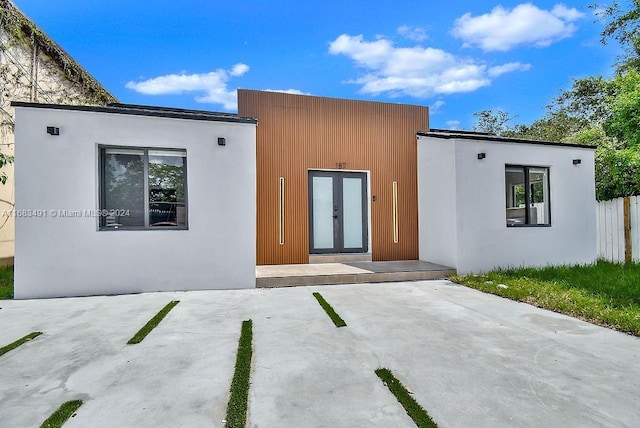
(6, 282)
(239, 398)
(4, 160)
(152, 323)
(337, 320)
(604, 293)
(622, 25)
(586, 102)
(553, 127)
(617, 172)
(60, 416)
(624, 121)
(19, 342)
(411, 406)
(492, 122)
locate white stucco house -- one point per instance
(473, 190)
(126, 199)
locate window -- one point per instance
(527, 194)
(143, 188)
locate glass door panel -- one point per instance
(323, 228)
(352, 212)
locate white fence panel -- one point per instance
(610, 222)
(634, 220)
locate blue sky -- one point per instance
(456, 57)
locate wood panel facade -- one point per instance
(298, 133)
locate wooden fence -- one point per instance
(618, 227)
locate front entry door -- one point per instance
(338, 212)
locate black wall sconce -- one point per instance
(52, 130)
(222, 141)
(481, 156)
(577, 161)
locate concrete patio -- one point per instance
(471, 359)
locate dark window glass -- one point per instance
(123, 187)
(143, 188)
(166, 188)
(527, 195)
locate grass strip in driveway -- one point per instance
(239, 397)
(411, 406)
(152, 323)
(604, 293)
(339, 322)
(60, 416)
(19, 342)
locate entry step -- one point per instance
(348, 273)
(339, 258)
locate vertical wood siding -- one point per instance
(296, 133)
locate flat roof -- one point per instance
(483, 136)
(140, 110)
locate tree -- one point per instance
(586, 102)
(492, 122)
(622, 25)
(4, 161)
(623, 122)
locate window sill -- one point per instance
(115, 229)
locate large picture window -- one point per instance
(143, 188)
(527, 195)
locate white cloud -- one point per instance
(239, 69)
(453, 124)
(508, 68)
(288, 91)
(433, 108)
(417, 34)
(414, 71)
(503, 29)
(213, 85)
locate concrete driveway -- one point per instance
(471, 359)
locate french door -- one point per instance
(338, 215)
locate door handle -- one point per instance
(335, 216)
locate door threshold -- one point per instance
(339, 258)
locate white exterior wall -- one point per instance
(437, 202)
(71, 257)
(483, 240)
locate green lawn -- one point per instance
(604, 293)
(6, 282)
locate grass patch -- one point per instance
(411, 406)
(238, 400)
(19, 342)
(60, 416)
(603, 293)
(339, 322)
(6, 282)
(152, 323)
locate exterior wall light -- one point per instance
(481, 156)
(222, 141)
(52, 130)
(577, 161)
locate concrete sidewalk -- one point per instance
(471, 359)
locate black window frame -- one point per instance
(102, 190)
(527, 195)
